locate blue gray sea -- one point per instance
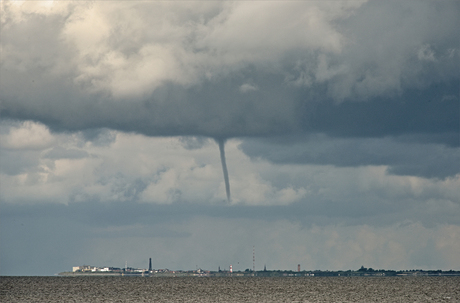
(230, 289)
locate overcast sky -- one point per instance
(341, 122)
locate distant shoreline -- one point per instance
(271, 273)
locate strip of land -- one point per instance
(362, 272)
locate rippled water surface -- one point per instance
(241, 289)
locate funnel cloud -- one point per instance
(221, 143)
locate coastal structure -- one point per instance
(88, 270)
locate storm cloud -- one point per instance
(340, 121)
(189, 71)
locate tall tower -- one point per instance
(150, 264)
(298, 267)
(253, 258)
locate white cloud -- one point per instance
(134, 167)
(139, 45)
(248, 88)
(164, 171)
(426, 53)
(27, 135)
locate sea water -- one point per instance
(230, 289)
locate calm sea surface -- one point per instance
(239, 289)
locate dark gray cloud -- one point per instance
(214, 109)
(193, 142)
(98, 136)
(403, 158)
(415, 112)
(403, 71)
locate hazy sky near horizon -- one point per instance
(342, 121)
